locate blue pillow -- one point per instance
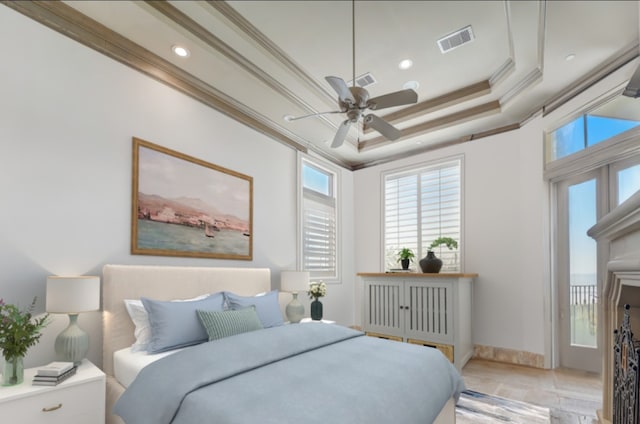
(267, 306)
(176, 324)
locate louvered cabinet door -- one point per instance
(429, 312)
(383, 314)
(432, 310)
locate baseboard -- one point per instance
(509, 356)
(601, 419)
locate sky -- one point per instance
(582, 196)
(171, 177)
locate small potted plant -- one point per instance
(405, 256)
(18, 332)
(432, 264)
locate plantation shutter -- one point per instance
(319, 235)
(419, 206)
(401, 216)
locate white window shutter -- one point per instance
(421, 205)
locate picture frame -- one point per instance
(185, 206)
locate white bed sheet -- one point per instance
(127, 364)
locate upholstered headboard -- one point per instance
(164, 283)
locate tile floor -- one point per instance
(572, 396)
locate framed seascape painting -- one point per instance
(183, 206)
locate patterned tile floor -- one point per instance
(572, 396)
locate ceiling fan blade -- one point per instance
(397, 98)
(341, 134)
(383, 127)
(341, 88)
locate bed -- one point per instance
(288, 368)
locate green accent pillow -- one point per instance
(220, 324)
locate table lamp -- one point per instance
(72, 295)
(294, 281)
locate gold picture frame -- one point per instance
(184, 206)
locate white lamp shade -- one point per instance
(294, 281)
(73, 294)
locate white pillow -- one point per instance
(140, 319)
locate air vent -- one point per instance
(364, 80)
(456, 39)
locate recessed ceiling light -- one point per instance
(405, 64)
(570, 57)
(180, 51)
(411, 85)
(287, 118)
(419, 142)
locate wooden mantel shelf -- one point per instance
(416, 275)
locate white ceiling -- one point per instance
(268, 59)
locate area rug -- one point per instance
(479, 408)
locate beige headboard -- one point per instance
(164, 283)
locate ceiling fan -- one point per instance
(354, 101)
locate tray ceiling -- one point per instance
(258, 61)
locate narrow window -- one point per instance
(319, 220)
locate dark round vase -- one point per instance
(316, 310)
(430, 264)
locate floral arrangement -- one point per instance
(18, 332)
(317, 290)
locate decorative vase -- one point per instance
(405, 263)
(430, 264)
(13, 371)
(316, 310)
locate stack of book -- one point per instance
(54, 373)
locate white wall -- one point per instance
(67, 116)
(507, 220)
(503, 232)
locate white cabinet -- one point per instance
(78, 400)
(427, 309)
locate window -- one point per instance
(595, 168)
(608, 120)
(319, 220)
(421, 205)
(628, 182)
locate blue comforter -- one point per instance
(305, 373)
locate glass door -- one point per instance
(579, 207)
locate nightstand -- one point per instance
(308, 320)
(79, 399)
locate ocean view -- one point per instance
(160, 235)
(583, 279)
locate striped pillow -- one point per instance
(221, 324)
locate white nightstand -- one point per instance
(79, 399)
(308, 320)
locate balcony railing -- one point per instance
(583, 300)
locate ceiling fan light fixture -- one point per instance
(405, 64)
(411, 85)
(180, 51)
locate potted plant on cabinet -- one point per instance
(432, 264)
(405, 256)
